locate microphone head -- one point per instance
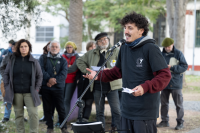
(122, 41)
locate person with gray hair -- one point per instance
(54, 74)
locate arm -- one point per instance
(181, 67)
(62, 75)
(159, 82)
(82, 63)
(39, 76)
(46, 76)
(73, 67)
(3, 64)
(6, 76)
(110, 74)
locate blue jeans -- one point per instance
(113, 100)
(8, 111)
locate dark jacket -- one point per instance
(178, 66)
(48, 72)
(4, 63)
(35, 84)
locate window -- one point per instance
(44, 33)
(197, 28)
(159, 28)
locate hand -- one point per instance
(48, 84)
(106, 69)
(69, 65)
(169, 66)
(139, 91)
(3, 55)
(52, 81)
(91, 75)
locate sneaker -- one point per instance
(5, 120)
(179, 126)
(43, 119)
(64, 130)
(163, 124)
(49, 131)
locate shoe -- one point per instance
(5, 120)
(179, 126)
(43, 119)
(163, 124)
(64, 130)
(25, 120)
(49, 131)
(57, 124)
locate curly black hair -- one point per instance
(18, 44)
(140, 21)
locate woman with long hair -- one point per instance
(22, 81)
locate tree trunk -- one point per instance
(170, 17)
(75, 22)
(176, 11)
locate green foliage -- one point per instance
(56, 6)
(113, 10)
(97, 11)
(63, 41)
(17, 14)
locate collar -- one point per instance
(50, 55)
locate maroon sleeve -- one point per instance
(159, 82)
(110, 75)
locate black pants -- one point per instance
(49, 97)
(178, 101)
(139, 126)
(87, 109)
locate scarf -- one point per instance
(69, 55)
(134, 42)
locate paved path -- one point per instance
(197, 130)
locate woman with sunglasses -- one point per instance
(70, 82)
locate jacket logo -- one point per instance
(139, 62)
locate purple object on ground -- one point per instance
(74, 114)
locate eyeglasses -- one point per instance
(102, 40)
(69, 47)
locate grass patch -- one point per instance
(192, 78)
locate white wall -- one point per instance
(189, 36)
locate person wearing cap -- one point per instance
(177, 65)
(2, 69)
(4, 52)
(95, 58)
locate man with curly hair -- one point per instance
(143, 69)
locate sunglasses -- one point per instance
(69, 47)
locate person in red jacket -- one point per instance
(70, 83)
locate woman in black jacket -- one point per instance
(22, 81)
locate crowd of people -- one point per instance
(138, 65)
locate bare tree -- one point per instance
(75, 22)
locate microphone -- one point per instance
(121, 42)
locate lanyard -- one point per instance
(54, 66)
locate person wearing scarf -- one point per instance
(70, 55)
